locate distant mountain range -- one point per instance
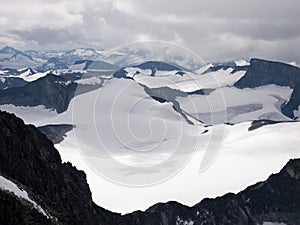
(41, 61)
(27, 87)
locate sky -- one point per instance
(214, 29)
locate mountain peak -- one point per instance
(263, 72)
(157, 65)
(8, 50)
(259, 60)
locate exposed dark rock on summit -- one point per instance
(263, 72)
(154, 66)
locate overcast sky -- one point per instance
(214, 29)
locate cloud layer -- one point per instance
(215, 29)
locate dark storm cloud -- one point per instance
(215, 29)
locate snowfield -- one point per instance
(187, 82)
(244, 158)
(37, 115)
(239, 104)
(137, 151)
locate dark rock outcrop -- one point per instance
(54, 92)
(10, 82)
(56, 132)
(15, 211)
(153, 66)
(51, 91)
(225, 66)
(166, 94)
(29, 159)
(292, 104)
(275, 200)
(255, 124)
(156, 65)
(263, 72)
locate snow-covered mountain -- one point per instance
(133, 54)
(81, 54)
(45, 60)
(94, 66)
(143, 114)
(223, 93)
(53, 64)
(12, 58)
(142, 123)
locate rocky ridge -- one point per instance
(30, 160)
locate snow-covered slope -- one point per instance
(28, 76)
(187, 81)
(153, 130)
(37, 115)
(232, 170)
(238, 105)
(242, 62)
(9, 186)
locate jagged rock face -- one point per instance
(14, 211)
(54, 92)
(29, 159)
(275, 200)
(293, 103)
(56, 132)
(263, 72)
(10, 82)
(293, 169)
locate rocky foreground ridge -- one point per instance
(29, 160)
